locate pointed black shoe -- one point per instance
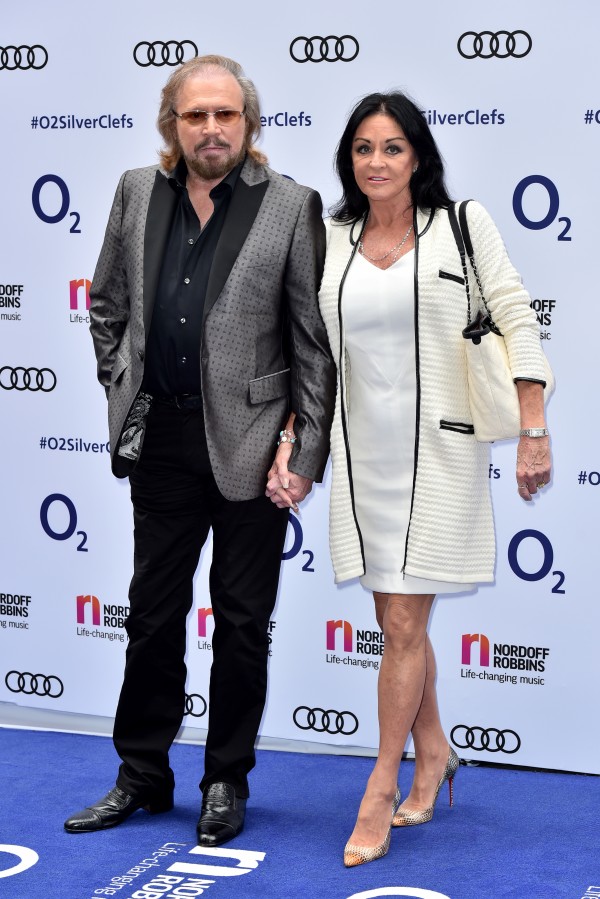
(221, 816)
(116, 807)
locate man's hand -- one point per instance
(285, 488)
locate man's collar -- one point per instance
(179, 174)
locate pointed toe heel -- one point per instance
(406, 818)
(360, 855)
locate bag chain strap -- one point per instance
(468, 245)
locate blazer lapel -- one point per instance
(158, 223)
(243, 209)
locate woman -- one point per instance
(410, 505)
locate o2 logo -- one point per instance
(297, 545)
(71, 527)
(408, 892)
(553, 206)
(547, 559)
(27, 858)
(65, 201)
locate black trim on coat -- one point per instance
(417, 378)
(161, 208)
(342, 369)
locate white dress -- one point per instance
(378, 317)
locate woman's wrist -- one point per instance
(286, 436)
(534, 432)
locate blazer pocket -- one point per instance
(269, 387)
(448, 276)
(265, 261)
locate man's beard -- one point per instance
(210, 168)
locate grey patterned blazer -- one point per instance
(264, 347)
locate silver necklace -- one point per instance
(395, 249)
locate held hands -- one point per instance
(534, 465)
(284, 488)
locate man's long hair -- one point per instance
(209, 65)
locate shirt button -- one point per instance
(190, 240)
(182, 320)
(186, 280)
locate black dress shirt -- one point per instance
(172, 363)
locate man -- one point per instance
(207, 333)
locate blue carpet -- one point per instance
(511, 833)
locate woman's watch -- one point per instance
(534, 432)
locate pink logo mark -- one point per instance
(82, 602)
(345, 627)
(203, 614)
(484, 649)
(74, 292)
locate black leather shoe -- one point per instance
(115, 808)
(221, 816)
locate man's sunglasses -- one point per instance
(200, 116)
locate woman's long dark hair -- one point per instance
(427, 186)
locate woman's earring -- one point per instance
(415, 169)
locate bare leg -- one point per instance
(431, 745)
(402, 681)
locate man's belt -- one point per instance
(189, 401)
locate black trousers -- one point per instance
(175, 503)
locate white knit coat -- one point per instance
(451, 530)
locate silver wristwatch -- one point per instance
(534, 432)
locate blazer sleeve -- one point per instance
(312, 370)
(109, 294)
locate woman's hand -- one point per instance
(534, 465)
(534, 462)
(285, 488)
(278, 478)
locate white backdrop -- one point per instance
(511, 112)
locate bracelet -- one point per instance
(286, 436)
(534, 432)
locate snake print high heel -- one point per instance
(359, 855)
(404, 818)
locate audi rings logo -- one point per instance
(324, 49)
(34, 684)
(501, 44)
(23, 57)
(325, 721)
(195, 705)
(32, 379)
(163, 53)
(490, 740)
